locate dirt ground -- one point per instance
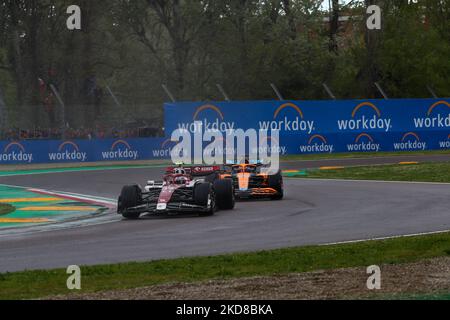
(425, 277)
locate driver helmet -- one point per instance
(179, 171)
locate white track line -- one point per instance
(108, 202)
(77, 197)
(386, 238)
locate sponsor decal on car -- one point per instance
(161, 206)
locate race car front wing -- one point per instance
(172, 207)
(255, 193)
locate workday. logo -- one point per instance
(410, 141)
(292, 120)
(120, 150)
(317, 144)
(15, 152)
(165, 149)
(364, 143)
(438, 116)
(270, 145)
(211, 118)
(363, 121)
(68, 151)
(213, 151)
(445, 144)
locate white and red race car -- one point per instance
(182, 190)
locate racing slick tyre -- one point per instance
(276, 182)
(224, 194)
(203, 193)
(131, 196)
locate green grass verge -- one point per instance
(423, 172)
(36, 284)
(6, 208)
(362, 155)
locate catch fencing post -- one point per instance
(169, 94)
(433, 93)
(328, 90)
(381, 91)
(2, 113)
(116, 101)
(277, 92)
(63, 109)
(222, 91)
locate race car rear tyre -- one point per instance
(203, 193)
(224, 194)
(276, 182)
(131, 196)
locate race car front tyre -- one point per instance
(212, 177)
(204, 196)
(224, 194)
(276, 182)
(131, 196)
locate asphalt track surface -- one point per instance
(313, 212)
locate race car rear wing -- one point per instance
(196, 171)
(258, 163)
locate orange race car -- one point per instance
(250, 182)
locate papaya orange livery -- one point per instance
(250, 181)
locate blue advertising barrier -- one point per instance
(44, 151)
(305, 127)
(327, 126)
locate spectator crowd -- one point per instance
(80, 133)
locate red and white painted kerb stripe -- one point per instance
(108, 203)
